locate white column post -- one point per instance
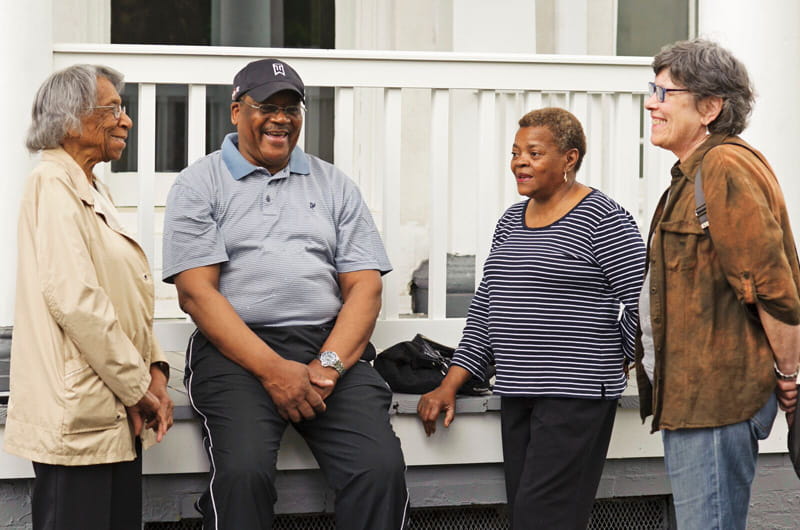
(766, 40)
(477, 28)
(572, 27)
(26, 48)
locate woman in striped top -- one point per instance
(556, 311)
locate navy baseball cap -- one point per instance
(263, 78)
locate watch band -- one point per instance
(164, 367)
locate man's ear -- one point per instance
(709, 108)
(235, 108)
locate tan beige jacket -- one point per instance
(83, 327)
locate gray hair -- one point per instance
(708, 69)
(565, 127)
(62, 100)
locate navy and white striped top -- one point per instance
(548, 309)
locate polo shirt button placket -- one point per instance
(269, 197)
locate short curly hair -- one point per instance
(708, 69)
(565, 127)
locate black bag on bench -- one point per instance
(419, 365)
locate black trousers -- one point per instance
(352, 441)
(553, 451)
(96, 497)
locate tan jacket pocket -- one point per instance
(89, 405)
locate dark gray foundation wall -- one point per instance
(775, 503)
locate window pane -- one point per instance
(309, 24)
(171, 132)
(171, 127)
(644, 27)
(218, 116)
(319, 122)
(130, 98)
(161, 22)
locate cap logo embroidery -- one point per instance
(235, 91)
(277, 69)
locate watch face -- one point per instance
(328, 358)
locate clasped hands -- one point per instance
(154, 411)
(299, 390)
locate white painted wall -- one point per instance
(571, 27)
(601, 38)
(81, 21)
(766, 40)
(26, 51)
(499, 26)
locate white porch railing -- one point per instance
(425, 135)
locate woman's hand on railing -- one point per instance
(442, 399)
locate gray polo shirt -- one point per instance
(280, 240)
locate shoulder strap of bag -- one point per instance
(700, 198)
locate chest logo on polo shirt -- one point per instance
(312, 205)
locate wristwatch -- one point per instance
(330, 359)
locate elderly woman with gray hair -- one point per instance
(720, 310)
(88, 379)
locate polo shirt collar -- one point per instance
(240, 167)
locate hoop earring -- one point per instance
(565, 175)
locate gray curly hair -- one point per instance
(708, 69)
(62, 100)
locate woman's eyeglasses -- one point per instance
(661, 92)
(116, 109)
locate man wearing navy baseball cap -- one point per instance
(277, 260)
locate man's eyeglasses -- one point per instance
(661, 92)
(268, 109)
(116, 109)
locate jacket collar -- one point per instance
(689, 167)
(75, 174)
(103, 206)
